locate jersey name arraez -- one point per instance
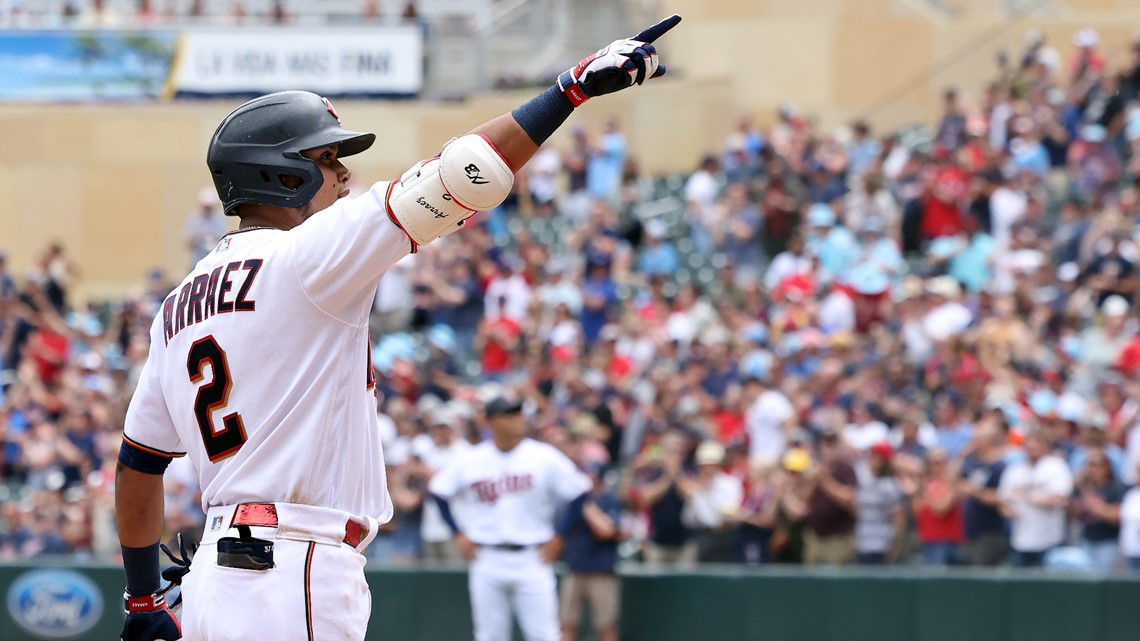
(256, 359)
(203, 295)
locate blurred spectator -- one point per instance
(592, 529)
(1130, 527)
(7, 284)
(742, 152)
(982, 471)
(738, 234)
(769, 417)
(1096, 506)
(278, 14)
(498, 338)
(831, 506)
(1087, 62)
(238, 13)
(658, 255)
(759, 514)
(542, 176)
(431, 453)
(1034, 494)
(508, 293)
(712, 500)
(952, 128)
(205, 227)
(881, 518)
(863, 151)
(701, 191)
(652, 483)
(938, 513)
(604, 167)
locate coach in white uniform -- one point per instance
(510, 488)
(259, 369)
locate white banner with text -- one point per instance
(373, 61)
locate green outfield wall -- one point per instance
(82, 603)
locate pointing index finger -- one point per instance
(656, 31)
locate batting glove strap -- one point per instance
(148, 603)
(568, 85)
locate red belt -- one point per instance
(265, 515)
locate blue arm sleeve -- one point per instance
(445, 512)
(571, 515)
(141, 566)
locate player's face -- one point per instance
(512, 426)
(336, 176)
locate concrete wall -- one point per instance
(115, 182)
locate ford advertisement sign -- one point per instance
(55, 604)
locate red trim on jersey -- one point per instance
(308, 590)
(496, 150)
(150, 450)
(392, 216)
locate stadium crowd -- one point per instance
(818, 347)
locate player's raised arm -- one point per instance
(477, 169)
(621, 64)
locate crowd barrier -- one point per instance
(83, 603)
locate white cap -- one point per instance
(656, 228)
(710, 453)
(1114, 306)
(945, 286)
(208, 197)
(1086, 38)
(1068, 272)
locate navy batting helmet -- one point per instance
(260, 143)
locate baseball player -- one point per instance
(509, 488)
(259, 368)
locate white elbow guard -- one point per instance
(433, 198)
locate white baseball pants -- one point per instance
(315, 592)
(502, 582)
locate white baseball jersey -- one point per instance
(260, 365)
(509, 497)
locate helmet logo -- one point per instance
(328, 105)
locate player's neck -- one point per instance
(272, 217)
(506, 444)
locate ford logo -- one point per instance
(55, 604)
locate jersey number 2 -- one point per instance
(214, 396)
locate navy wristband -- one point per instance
(141, 565)
(543, 115)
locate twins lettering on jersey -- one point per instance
(489, 491)
(224, 290)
